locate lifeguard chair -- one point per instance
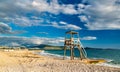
(72, 41)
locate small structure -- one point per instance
(72, 41)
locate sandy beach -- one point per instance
(27, 61)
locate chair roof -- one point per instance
(71, 32)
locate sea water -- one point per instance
(111, 55)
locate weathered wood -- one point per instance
(71, 43)
(64, 52)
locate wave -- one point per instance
(45, 53)
(108, 63)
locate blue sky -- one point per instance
(34, 22)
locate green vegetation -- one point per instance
(47, 47)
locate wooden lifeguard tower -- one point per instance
(72, 41)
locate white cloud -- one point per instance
(42, 32)
(24, 21)
(89, 38)
(65, 26)
(53, 7)
(81, 8)
(29, 41)
(25, 41)
(6, 29)
(69, 9)
(83, 18)
(43, 6)
(62, 22)
(99, 14)
(15, 12)
(103, 14)
(73, 27)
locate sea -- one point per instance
(111, 55)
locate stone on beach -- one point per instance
(27, 61)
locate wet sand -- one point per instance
(27, 61)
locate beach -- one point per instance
(28, 61)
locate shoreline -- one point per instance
(67, 57)
(28, 61)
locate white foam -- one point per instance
(68, 57)
(109, 60)
(110, 65)
(54, 55)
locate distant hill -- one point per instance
(46, 47)
(50, 47)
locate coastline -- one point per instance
(45, 53)
(28, 61)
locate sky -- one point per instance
(35, 22)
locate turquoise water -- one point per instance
(111, 55)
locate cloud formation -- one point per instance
(65, 25)
(98, 15)
(89, 38)
(52, 7)
(42, 32)
(6, 29)
(15, 11)
(28, 41)
(102, 14)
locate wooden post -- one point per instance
(69, 42)
(72, 53)
(81, 55)
(64, 52)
